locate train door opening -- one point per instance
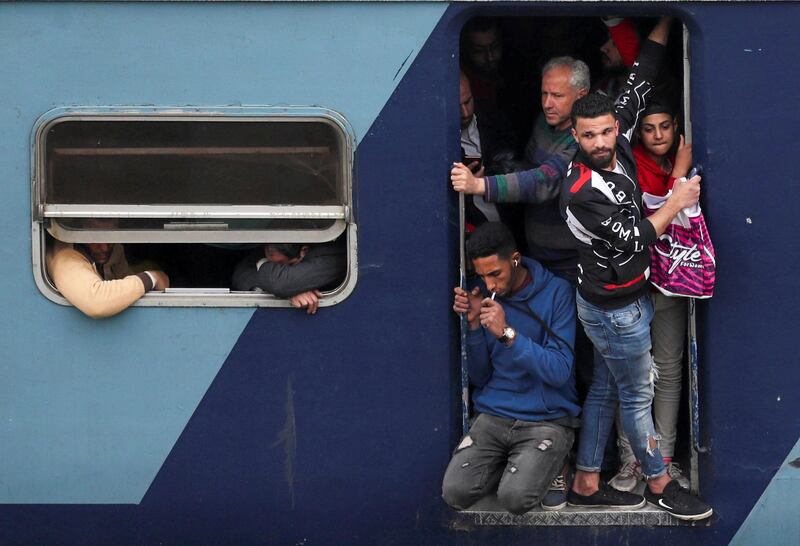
(501, 62)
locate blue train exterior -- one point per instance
(189, 425)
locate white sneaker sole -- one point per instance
(685, 517)
(554, 508)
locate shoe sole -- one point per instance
(622, 507)
(685, 517)
(554, 507)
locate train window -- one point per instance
(186, 183)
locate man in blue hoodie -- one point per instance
(520, 350)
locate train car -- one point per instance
(210, 416)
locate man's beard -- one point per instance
(601, 162)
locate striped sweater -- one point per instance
(550, 152)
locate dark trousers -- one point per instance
(518, 458)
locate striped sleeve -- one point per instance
(537, 185)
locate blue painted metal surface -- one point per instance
(336, 429)
(774, 519)
(91, 410)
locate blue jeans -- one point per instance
(624, 375)
(668, 333)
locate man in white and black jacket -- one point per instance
(603, 205)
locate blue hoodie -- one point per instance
(533, 380)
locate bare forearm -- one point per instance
(660, 33)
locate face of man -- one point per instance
(497, 273)
(485, 50)
(467, 102)
(558, 96)
(597, 138)
(657, 132)
(100, 252)
(611, 57)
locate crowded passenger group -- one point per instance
(568, 346)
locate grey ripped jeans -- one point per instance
(519, 458)
(668, 334)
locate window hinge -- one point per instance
(38, 208)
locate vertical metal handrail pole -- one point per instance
(694, 397)
(462, 282)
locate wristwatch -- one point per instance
(508, 335)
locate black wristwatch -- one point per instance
(508, 335)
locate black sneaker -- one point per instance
(606, 497)
(679, 502)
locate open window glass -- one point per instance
(197, 177)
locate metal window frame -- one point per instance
(44, 217)
(201, 232)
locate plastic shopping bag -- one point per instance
(682, 260)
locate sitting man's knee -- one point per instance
(456, 494)
(517, 500)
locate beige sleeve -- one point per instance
(80, 284)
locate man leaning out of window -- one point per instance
(295, 271)
(96, 278)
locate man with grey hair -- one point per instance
(549, 151)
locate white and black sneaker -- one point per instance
(679, 502)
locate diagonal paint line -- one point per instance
(402, 65)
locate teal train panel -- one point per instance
(91, 409)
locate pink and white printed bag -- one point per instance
(682, 260)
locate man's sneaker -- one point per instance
(679, 502)
(674, 471)
(628, 476)
(556, 496)
(606, 497)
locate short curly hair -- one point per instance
(592, 105)
(489, 239)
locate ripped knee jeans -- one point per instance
(623, 374)
(517, 458)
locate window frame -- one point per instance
(344, 224)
